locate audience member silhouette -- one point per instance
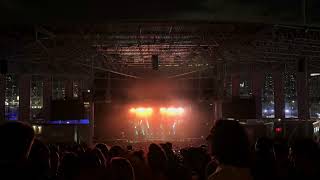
(54, 164)
(116, 151)
(196, 161)
(175, 168)
(141, 170)
(282, 163)
(157, 162)
(89, 165)
(211, 168)
(305, 159)
(230, 146)
(121, 169)
(102, 160)
(129, 148)
(69, 166)
(24, 157)
(264, 164)
(104, 149)
(39, 159)
(16, 140)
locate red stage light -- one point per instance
(278, 130)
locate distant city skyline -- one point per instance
(268, 111)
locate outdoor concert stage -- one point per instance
(156, 120)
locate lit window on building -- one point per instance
(87, 109)
(290, 96)
(314, 96)
(36, 98)
(268, 97)
(58, 89)
(76, 89)
(245, 86)
(11, 98)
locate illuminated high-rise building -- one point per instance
(290, 95)
(11, 98)
(58, 89)
(314, 96)
(245, 86)
(36, 98)
(268, 97)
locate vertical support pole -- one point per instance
(91, 124)
(76, 134)
(47, 96)
(92, 118)
(257, 83)
(217, 109)
(199, 85)
(279, 95)
(302, 90)
(2, 97)
(109, 87)
(69, 88)
(219, 86)
(236, 84)
(24, 95)
(304, 11)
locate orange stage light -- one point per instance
(132, 110)
(163, 110)
(147, 112)
(171, 111)
(141, 111)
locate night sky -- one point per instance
(88, 11)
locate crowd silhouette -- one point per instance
(228, 156)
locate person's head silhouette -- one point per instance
(39, 159)
(121, 168)
(229, 143)
(157, 159)
(16, 139)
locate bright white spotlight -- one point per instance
(140, 109)
(180, 110)
(314, 74)
(39, 129)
